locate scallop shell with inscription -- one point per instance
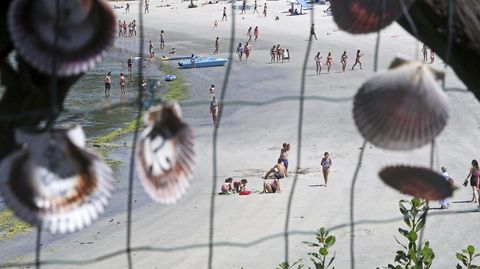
(165, 154)
(53, 182)
(401, 109)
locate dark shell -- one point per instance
(417, 181)
(165, 155)
(86, 30)
(363, 16)
(53, 183)
(401, 109)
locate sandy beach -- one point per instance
(249, 230)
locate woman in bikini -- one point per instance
(329, 61)
(273, 54)
(256, 33)
(240, 51)
(472, 175)
(326, 163)
(247, 48)
(343, 60)
(357, 60)
(214, 109)
(122, 84)
(318, 62)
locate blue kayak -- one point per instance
(203, 62)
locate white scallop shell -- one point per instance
(165, 154)
(401, 109)
(53, 183)
(363, 16)
(86, 30)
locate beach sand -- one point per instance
(248, 230)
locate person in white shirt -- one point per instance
(444, 202)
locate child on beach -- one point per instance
(357, 60)
(343, 60)
(227, 187)
(240, 186)
(329, 61)
(318, 63)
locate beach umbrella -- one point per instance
(165, 154)
(417, 181)
(52, 181)
(363, 16)
(401, 109)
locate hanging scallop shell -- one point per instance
(165, 155)
(417, 181)
(401, 109)
(363, 16)
(53, 182)
(86, 29)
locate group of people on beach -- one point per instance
(127, 30)
(329, 62)
(277, 54)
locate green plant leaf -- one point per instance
(471, 250)
(322, 231)
(330, 241)
(331, 261)
(412, 236)
(403, 232)
(420, 224)
(324, 251)
(458, 266)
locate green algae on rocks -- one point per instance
(10, 225)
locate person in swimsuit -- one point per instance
(256, 33)
(127, 8)
(247, 48)
(240, 51)
(255, 7)
(312, 32)
(472, 175)
(357, 60)
(216, 46)
(284, 156)
(129, 67)
(343, 60)
(278, 172)
(147, 5)
(108, 83)
(214, 110)
(240, 186)
(224, 16)
(318, 63)
(249, 34)
(122, 84)
(227, 187)
(273, 54)
(326, 163)
(329, 61)
(162, 40)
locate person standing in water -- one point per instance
(318, 63)
(150, 48)
(326, 164)
(284, 156)
(224, 16)
(343, 60)
(214, 109)
(256, 33)
(329, 61)
(122, 84)
(129, 67)
(162, 40)
(108, 83)
(216, 46)
(473, 177)
(357, 60)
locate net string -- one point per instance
(299, 138)
(233, 244)
(215, 139)
(134, 143)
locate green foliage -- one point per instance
(412, 256)
(11, 226)
(324, 242)
(286, 265)
(466, 257)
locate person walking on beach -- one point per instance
(249, 34)
(122, 84)
(284, 156)
(162, 40)
(240, 51)
(265, 10)
(214, 109)
(444, 202)
(147, 5)
(150, 48)
(318, 63)
(216, 46)
(255, 7)
(326, 164)
(129, 67)
(473, 176)
(247, 48)
(273, 54)
(357, 60)
(278, 172)
(256, 33)
(224, 16)
(127, 8)
(108, 82)
(343, 60)
(425, 53)
(312, 32)
(244, 7)
(329, 61)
